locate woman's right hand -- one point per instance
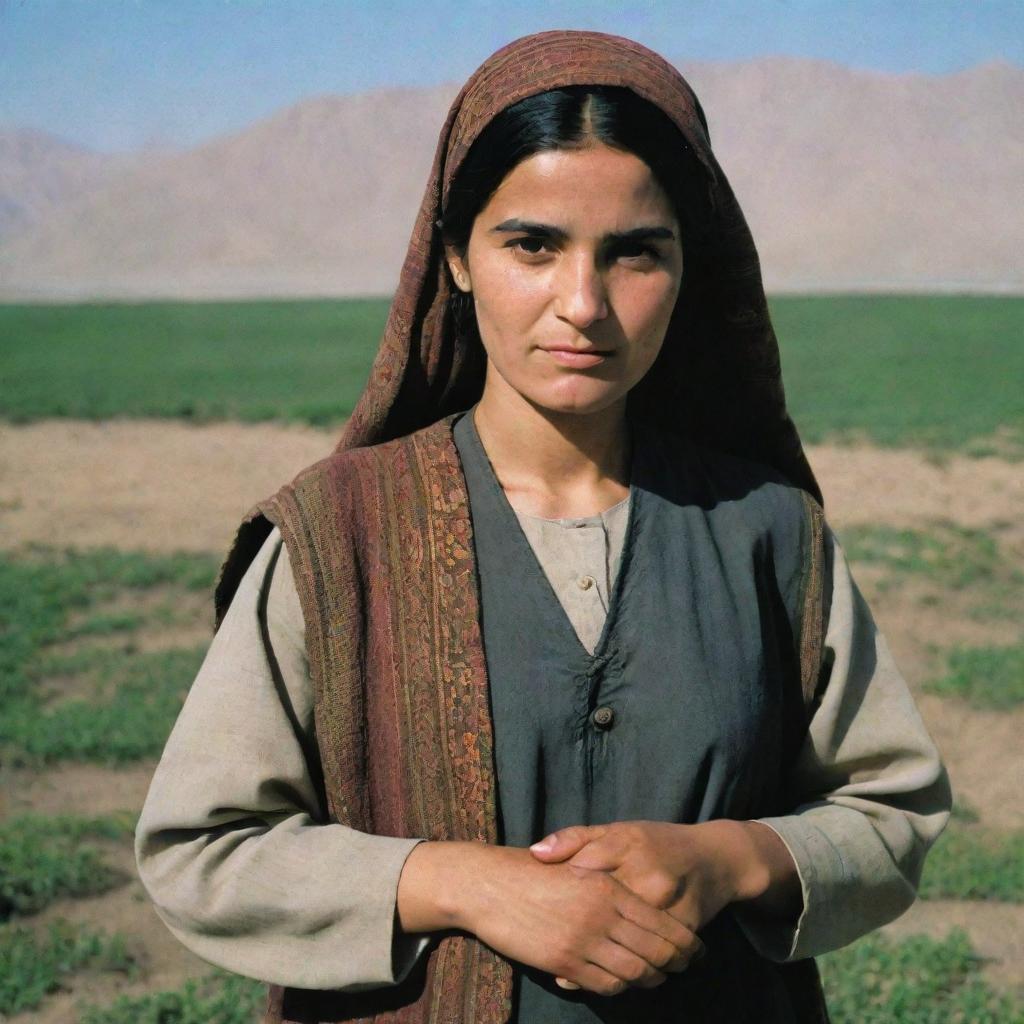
(576, 923)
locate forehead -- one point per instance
(597, 186)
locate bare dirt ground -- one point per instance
(163, 486)
(166, 486)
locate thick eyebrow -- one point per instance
(550, 231)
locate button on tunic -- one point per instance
(236, 849)
(669, 704)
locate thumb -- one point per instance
(564, 843)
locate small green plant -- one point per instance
(219, 998)
(45, 858)
(917, 981)
(130, 724)
(32, 965)
(68, 627)
(985, 677)
(952, 557)
(970, 862)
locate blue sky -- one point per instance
(118, 74)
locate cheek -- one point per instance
(647, 311)
(508, 306)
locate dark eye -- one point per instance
(531, 245)
(635, 251)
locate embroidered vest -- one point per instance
(381, 546)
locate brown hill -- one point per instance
(850, 179)
(859, 179)
(40, 172)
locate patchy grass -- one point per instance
(45, 858)
(988, 678)
(945, 555)
(970, 862)
(33, 965)
(73, 684)
(988, 581)
(128, 719)
(916, 981)
(900, 358)
(219, 998)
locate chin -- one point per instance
(578, 395)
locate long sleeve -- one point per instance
(871, 793)
(233, 845)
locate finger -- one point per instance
(597, 979)
(657, 951)
(686, 910)
(597, 855)
(658, 922)
(684, 962)
(623, 963)
(566, 983)
(561, 845)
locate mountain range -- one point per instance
(851, 180)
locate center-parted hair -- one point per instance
(572, 118)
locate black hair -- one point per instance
(569, 118)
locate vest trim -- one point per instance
(381, 546)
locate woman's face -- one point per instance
(574, 266)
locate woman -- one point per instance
(564, 583)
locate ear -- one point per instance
(459, 268)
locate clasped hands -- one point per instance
(599, 907)
(689, 871)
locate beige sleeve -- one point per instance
(870, 790)
(233, 844)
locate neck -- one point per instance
(555, 464)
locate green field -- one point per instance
(98, 646)
(941, 372)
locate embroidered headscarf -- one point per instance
(718, 373)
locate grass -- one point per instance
(928, 371)
(45, 858)
(916, 981)
(301, 360)
(33, 965)
(116, 703)
(219, 998)
(947, 559)
(987, 678)
(936, 372)
(970, 862)
(946, 554)
(874, 981)
(132, 723)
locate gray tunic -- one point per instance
(234, 841)
(679, 712)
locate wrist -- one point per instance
(438, 888)
(771, 881)
(754, 870)
(737, 850)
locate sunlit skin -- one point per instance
(548, 266)
(577, 250)
(580, 250)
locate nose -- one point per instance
(582, 296)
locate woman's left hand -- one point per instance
(691, 871)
